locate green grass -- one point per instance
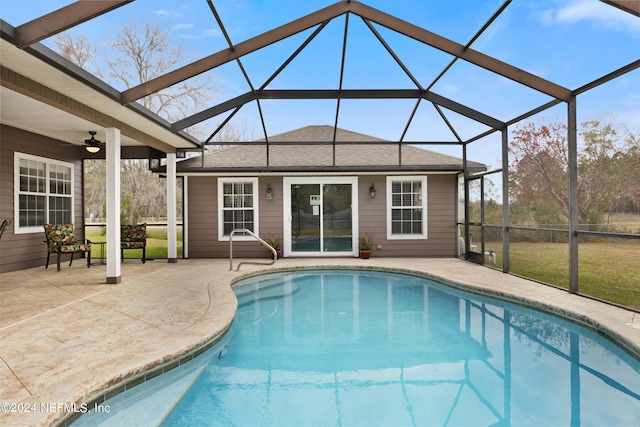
(156, 243)
(608, 271)
(611, 272)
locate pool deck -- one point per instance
(68, 337)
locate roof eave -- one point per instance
(53, 59)
(361, 170)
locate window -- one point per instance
(407, 207)
(43, 192)
(238, 201)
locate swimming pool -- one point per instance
(372, 348)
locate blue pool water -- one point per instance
(356, 348)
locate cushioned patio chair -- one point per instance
(61, 240)
(133, 236)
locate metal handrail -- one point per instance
(4, 225)
(251, 233)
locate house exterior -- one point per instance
(42, 182)
(34, 168)
(318, 197)
(42, 130)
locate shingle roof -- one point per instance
(366, 155)
(321, 133)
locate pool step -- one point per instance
(273, 288)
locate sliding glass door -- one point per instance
(322, 216)
(305, 217)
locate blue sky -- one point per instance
(569, 42)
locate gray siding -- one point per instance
(203, 219)
(19, 251)
(441, 205)
(441, 209)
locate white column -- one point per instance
(172, 250)
(185, 217)
(113, 205)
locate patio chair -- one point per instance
(133, 236)
(61, 240)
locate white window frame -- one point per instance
(417, 236)
(256, 217)
(17, 229)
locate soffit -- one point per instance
(33, 68)
(630, 6)
(29, 114)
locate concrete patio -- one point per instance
(67, 337)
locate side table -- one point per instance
(102, 259)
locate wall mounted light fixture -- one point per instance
(372, 191)
(269, 192)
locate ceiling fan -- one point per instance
(92, 145)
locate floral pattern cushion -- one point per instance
(131, 245)
(60, 237)
(133, 236)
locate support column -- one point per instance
(572, 148)
(113, 205)
(172, 250)
(185, 217)
(467, 240)
(505, 200)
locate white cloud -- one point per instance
(164, 12)
(597, 13)
(212, 33)
(203, 35)
(179, 27)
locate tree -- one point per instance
(78, 50)
(136, 55)
(141, 53)
(145, 192)
(629, 199)
(608, 169)
(95, 198)
(538, 164)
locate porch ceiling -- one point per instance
(44, 94)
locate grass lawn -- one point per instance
(609, 271)
(156, 242)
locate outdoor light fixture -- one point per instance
(372, 191)
(92, 145)
(269, 192)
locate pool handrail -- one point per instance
(251, 233)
